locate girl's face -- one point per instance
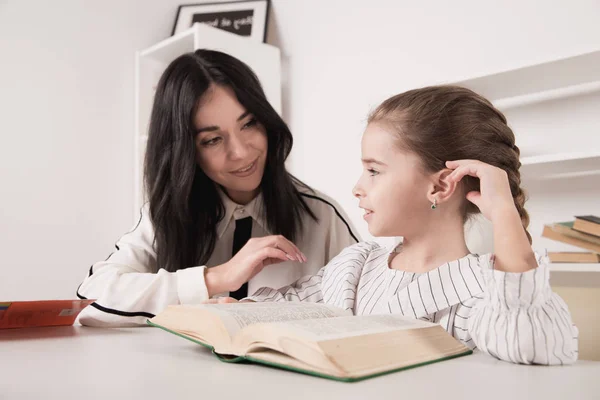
(392, 188)
(231, 145)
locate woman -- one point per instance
(214, 176)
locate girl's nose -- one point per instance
(357, 191)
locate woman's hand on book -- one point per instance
(226, 300)
(221, 300)
(249, 261)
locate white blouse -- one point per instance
(512, 316)
(129, 287)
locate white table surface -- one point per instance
(147, 363)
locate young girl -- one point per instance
(433, 157)
(215, 177)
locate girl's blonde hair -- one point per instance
(443, 123)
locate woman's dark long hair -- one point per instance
(184, 204)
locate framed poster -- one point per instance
(245, 18)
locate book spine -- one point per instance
(587, 227)
(551, 234)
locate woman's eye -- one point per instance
(211, 142)
(249, 124)
(373, 172)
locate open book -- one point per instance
(311, 338)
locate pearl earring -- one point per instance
(434, 204)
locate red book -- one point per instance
(26, 314)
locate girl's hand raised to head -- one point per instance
(494, 199)
(249, 261)
(511, 245)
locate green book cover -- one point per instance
(250, 359)
(568, 224)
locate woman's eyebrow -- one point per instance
(207, 129)
(216, 128)
(244, 115)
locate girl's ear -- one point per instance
(441, 188)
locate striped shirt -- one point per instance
(512, 316)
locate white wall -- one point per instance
(343, 57)
(66, 95)
(66, 123)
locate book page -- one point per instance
(235, 316)
(345, 327)
(354, 344)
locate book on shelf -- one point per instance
(589, 224)
(311, 338)
(29, 314)
(573, 257)
(564, 232)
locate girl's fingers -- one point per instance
(453, 164)
(462, 171)
(474, 197)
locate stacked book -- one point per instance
(584, 232)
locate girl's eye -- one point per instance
(373, 172)
(250, 123)
(211, 142)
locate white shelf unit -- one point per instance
(560, 166)
(554, 111)
(557, 79)
(576, 267)
(150, 63)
